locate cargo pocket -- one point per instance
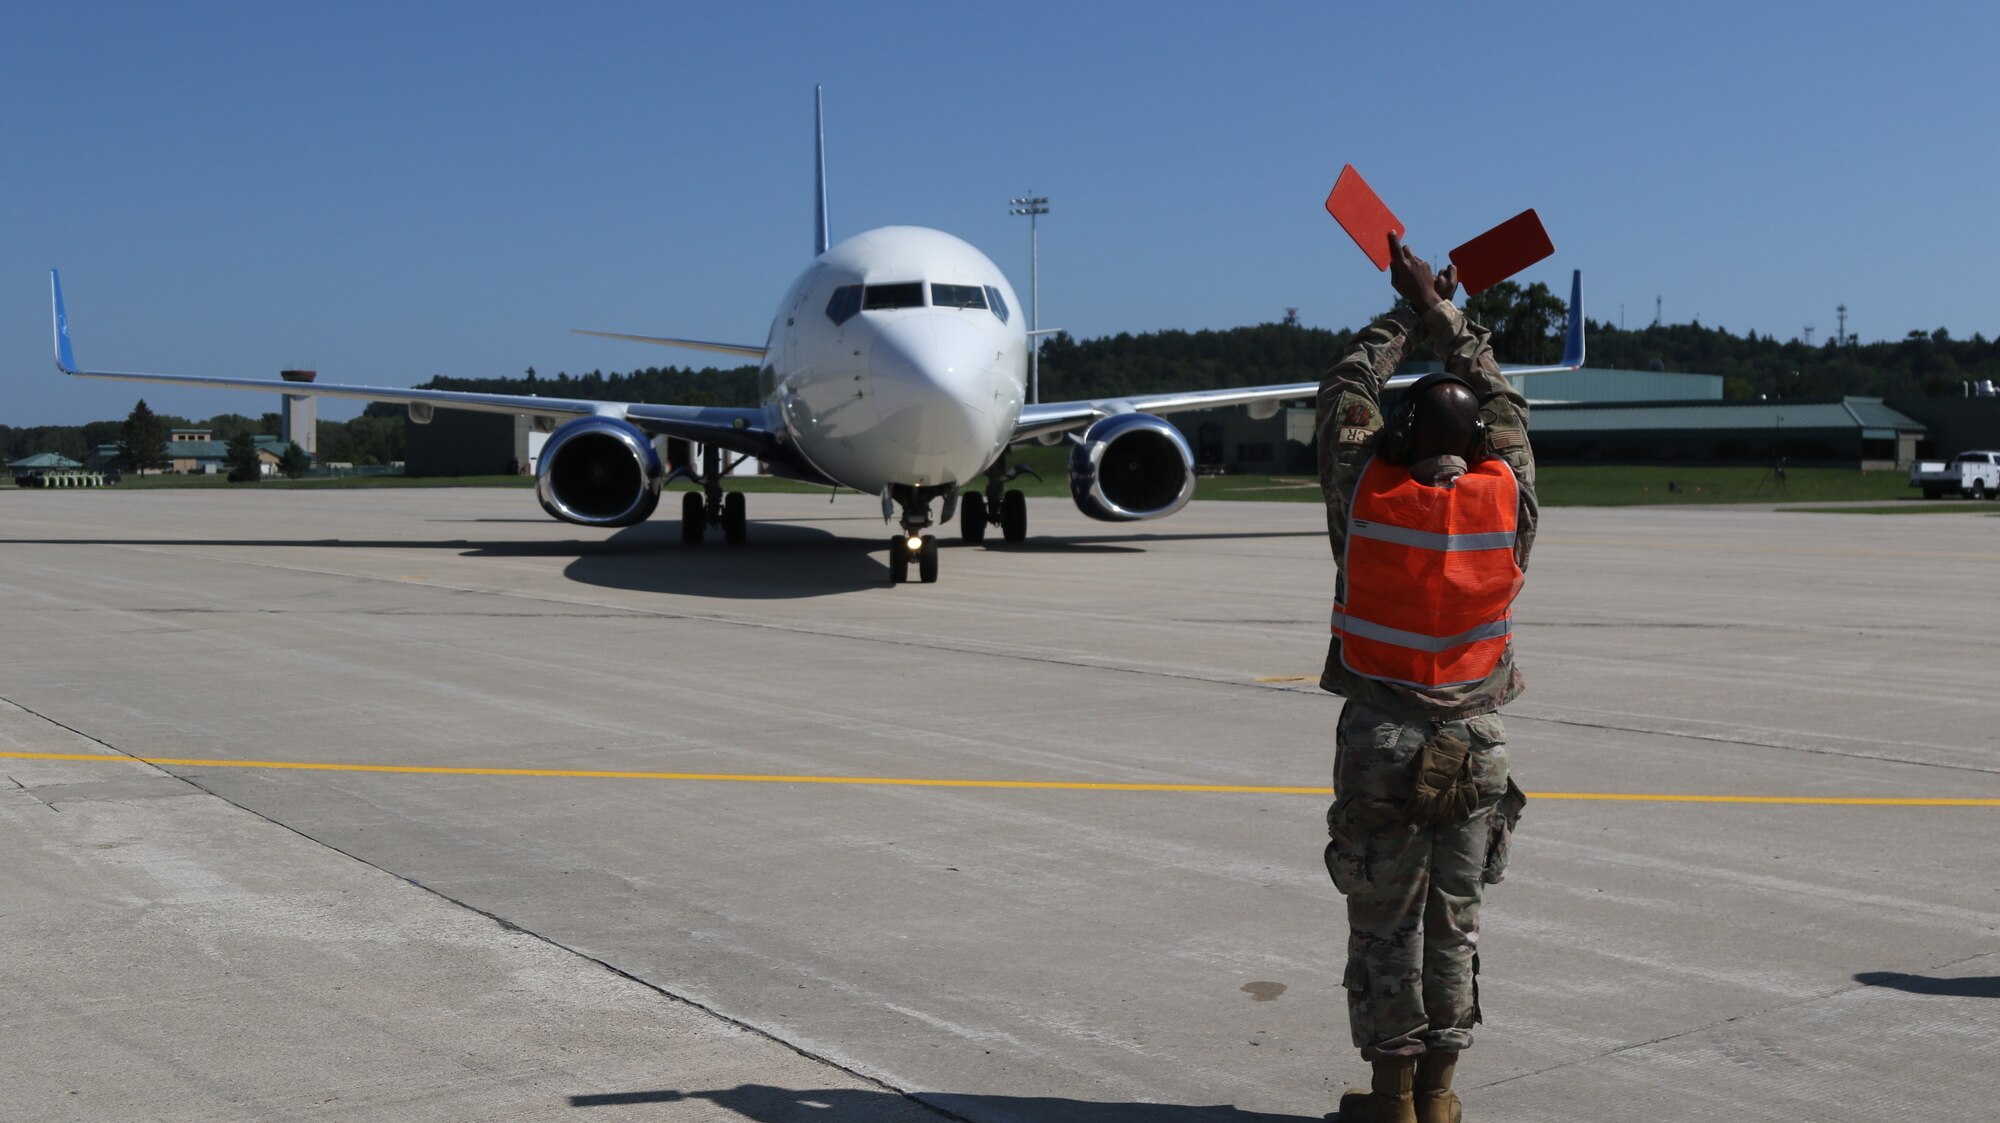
(1346, 853)
(1500, 832)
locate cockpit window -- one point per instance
(845, 303)
(958, 296)
(908, 294)
(996, 302)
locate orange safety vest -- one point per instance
(1430, 575)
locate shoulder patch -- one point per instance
(1357, 413)
(1355, 434)
(1505, 439)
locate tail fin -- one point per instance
(1573, 342)
(1572, 356)
(819, 174)
(65, 358)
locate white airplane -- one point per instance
(896, 365)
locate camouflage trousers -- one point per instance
(1413, 892)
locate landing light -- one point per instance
(915, 544)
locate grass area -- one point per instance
(1560, 485)
(1963, 507)
(1596, 485)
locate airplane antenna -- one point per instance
(819, 172)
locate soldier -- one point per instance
(1431, 511)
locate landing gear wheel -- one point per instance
(899, 560)
(927, 561)
(972, 518)
(694, 518)
(1014, 516)
(734, 522)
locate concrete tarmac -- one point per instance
(466, 917)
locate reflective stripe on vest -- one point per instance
(1430, 575)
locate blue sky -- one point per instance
(388, 192)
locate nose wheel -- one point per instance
(924, 554)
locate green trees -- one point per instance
(1527, 323)
(244, 466)
(142, 443)
(295, 463)
(369, 439)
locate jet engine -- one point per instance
(599, 471)
(1131, 466)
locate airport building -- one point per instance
(1650, 417)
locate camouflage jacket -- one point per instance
(1350, 416)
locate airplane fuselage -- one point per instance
(898, 357)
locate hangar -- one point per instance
(1644, 417)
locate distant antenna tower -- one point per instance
(1656, 311)
(1291, 317)
(1842, 337)
(1809, 331)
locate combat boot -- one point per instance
(1436, 1102)
(1391, 1098)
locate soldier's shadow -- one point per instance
(1973, 986)
(765, 1103)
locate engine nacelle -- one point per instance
(599, 471)
(1131, 466)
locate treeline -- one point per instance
(710, 386)
(1930, 364)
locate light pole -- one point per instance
(1033, 207)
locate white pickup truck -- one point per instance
(1974, 475)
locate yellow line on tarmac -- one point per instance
(913, 782)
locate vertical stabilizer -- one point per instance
(1573, 338)
(819, 172)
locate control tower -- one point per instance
(302, 413)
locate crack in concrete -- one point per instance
(506, 924)
(1778, 1007)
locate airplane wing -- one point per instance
(739, 430)
(743, 349)
(1048, 418)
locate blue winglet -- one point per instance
(819, 173)
(1573, 341)
(65, 358)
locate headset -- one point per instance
(1398, 430)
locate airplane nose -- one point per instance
(931, 378)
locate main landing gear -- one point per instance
(999, 503)
(711, 506)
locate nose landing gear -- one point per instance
(920, 548)
(913, 546)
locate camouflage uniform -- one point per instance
(1413, 892)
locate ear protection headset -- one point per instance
(1398, 430)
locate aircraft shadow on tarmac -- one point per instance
(764, 1103)
(780, 560)
(1974, 986)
